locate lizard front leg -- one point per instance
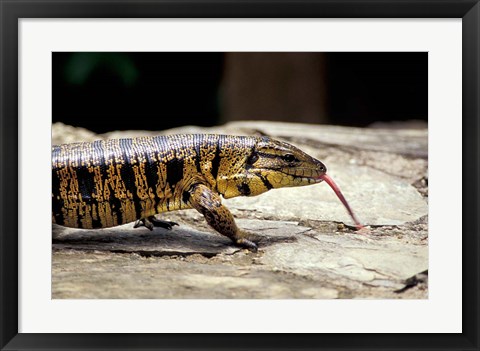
(208, 203)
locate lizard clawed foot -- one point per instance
(162, 224)
(151, 222)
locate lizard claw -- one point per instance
(247, 244)
(145, 222)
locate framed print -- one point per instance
(140, 110)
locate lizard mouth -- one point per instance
(305, 173)
(339, 194)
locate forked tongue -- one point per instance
(337, 191)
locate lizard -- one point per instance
(106, 183)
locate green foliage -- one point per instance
(81, 65)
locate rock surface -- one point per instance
(307, 247)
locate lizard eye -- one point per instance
(289, 158)
(252, 159)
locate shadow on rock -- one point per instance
(160, 241)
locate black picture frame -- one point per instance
(12, 11)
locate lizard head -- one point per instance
(278, 164)
(274, 164)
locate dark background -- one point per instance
(155, 91)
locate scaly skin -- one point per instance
(112, 182)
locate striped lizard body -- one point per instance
(107, 183)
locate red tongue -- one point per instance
(337, 191)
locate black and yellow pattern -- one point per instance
(111, 182)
